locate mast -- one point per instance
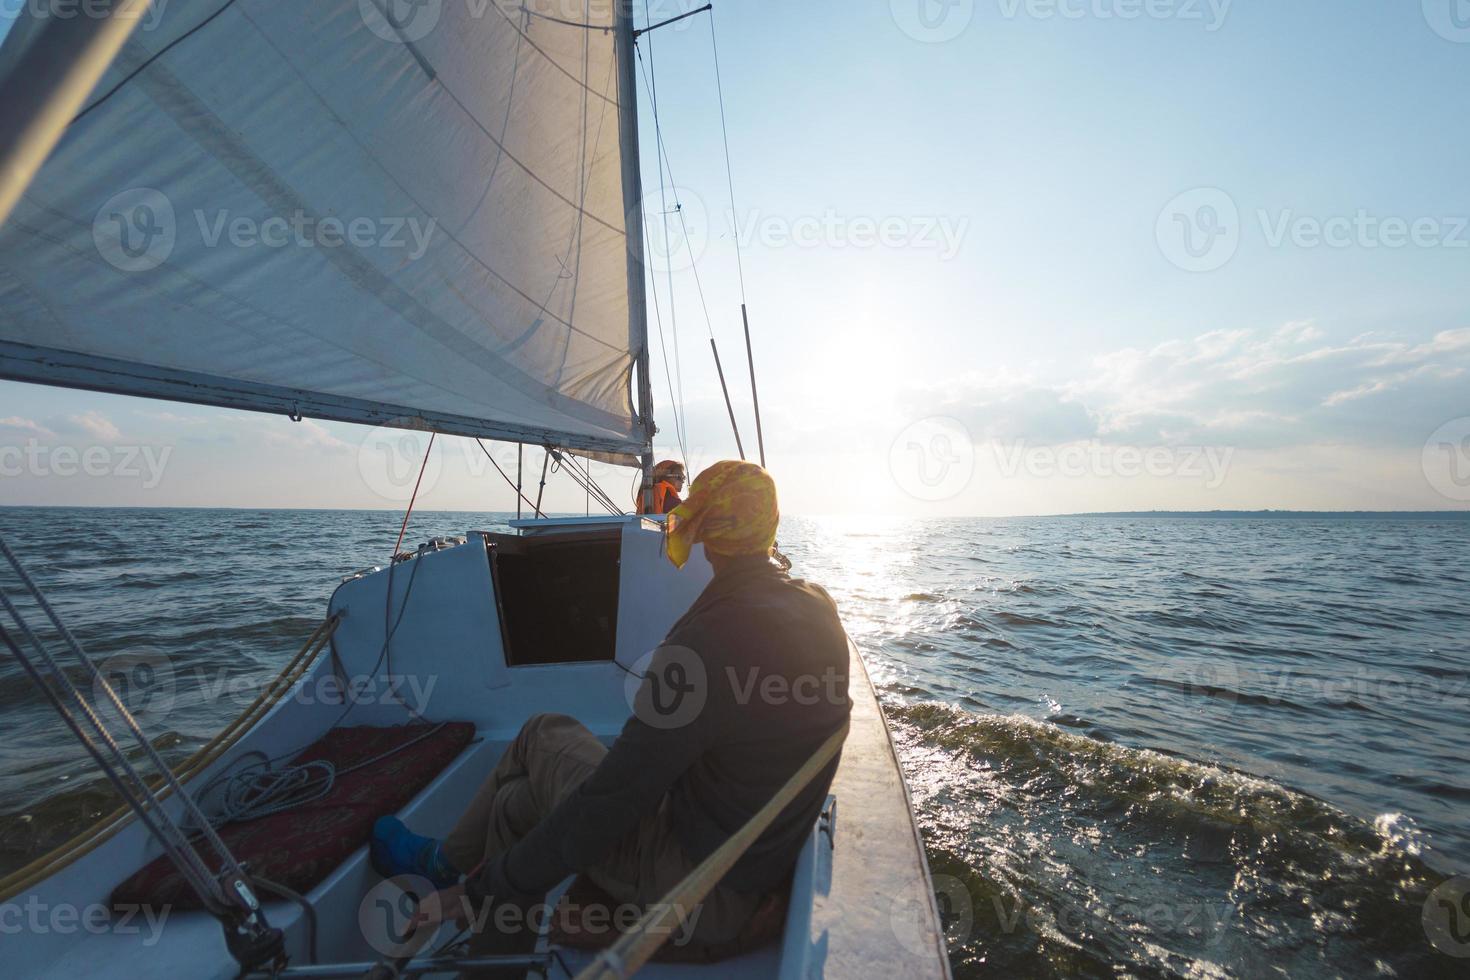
(625, 39)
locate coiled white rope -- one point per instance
(260, 789)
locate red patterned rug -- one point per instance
(300, 847)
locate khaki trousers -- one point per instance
(549, 759)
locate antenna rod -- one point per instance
(728, 407)
(545, 462)
(754, 395)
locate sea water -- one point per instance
(1137, 745)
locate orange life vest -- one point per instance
(665, 498)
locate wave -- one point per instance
(1057, 854)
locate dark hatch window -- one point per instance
(558, 595)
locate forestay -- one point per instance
(409, 212)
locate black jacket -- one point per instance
(774, 661)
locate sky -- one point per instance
(1001, 257)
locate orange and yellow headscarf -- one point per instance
(731, 509)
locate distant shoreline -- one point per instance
(1366, 515)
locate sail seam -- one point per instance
(224, 145)
(407, 193)
(550, 60)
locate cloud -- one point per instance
(1266, 389)
(1005, 409)
(15, 423)
(277, 435)
(174, 419)
(93, 425)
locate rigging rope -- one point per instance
(755, 398)
(514, 486)
(729, 174)
(663, 347)
(422, 466)
(595, 490)
(661, 150)
(259, 789)
(583, 480)
(665, 164)
(228, 895)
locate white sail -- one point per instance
(409, 212)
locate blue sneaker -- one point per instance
(396, 850)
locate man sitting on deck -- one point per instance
(758, 668)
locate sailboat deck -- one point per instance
(861, 906)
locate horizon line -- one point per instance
(1462, 513)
